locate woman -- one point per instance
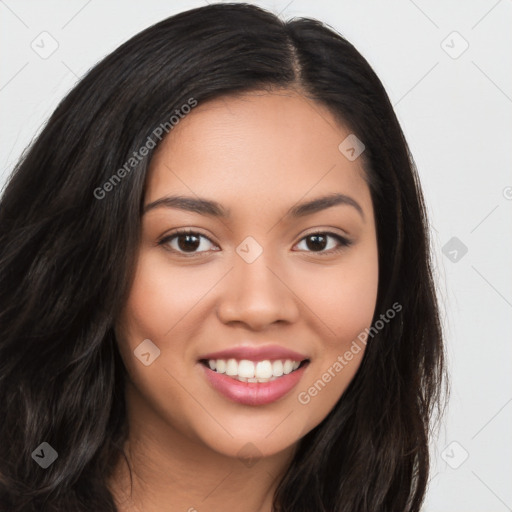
(215, 282)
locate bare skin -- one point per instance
(258, 155)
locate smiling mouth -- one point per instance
(245, 370)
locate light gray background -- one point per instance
(456, 114)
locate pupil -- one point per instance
(191, 245)
(316, 244)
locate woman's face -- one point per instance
(261, 280)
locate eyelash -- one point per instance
(343, 242)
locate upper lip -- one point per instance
(271, 352)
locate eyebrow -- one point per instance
(214, 209)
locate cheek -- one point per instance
(343, 297)
(156, 309)
(162, 296)
(164, 306)
(343, 300)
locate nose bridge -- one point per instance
(257, 277)
(255, 293)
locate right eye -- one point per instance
(185, 242)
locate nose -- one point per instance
(257, 295)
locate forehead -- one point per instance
(268, 145)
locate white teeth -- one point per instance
(263, 370)
(287, 367)
(277, 368)
(250, 371)
(246, 369)
(231, 367)
(220, 365)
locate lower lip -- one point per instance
(253, 393)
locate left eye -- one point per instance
(319, 241)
